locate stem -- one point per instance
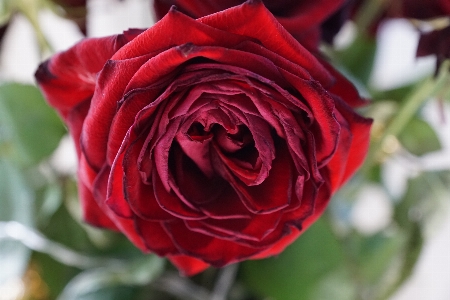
(37, 242)
(30, 9)
(429, 88)
(180, 287)
(368, 13)
(225, 282)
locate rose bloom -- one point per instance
(208, 141)
(308, 21)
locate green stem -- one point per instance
(30, 9)
(428, 89)
(368, 13)
(36, 241)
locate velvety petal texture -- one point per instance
(308, 21)
(207, 141)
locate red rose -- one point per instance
(302, 18)
(208, 141)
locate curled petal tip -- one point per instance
(173, 9)
(43, 73)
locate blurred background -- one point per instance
(37, 190)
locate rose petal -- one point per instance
(176, 26)
(154, 236)
(172, 203)
(214, 251)
(274, 37)
(274, 193)
(92, 212)
(69, 77)
(325, 127)
(352, 147)
(125, 225)
(189, 266)
(242, 231)
(138, 195)
(96, 128)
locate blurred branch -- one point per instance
(369, 12)
(37, 242)
(134, 272)
(180, 287)
(431, 87)
(184, 288)
(30, 9)
(225, 281)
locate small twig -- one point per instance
(180, 287)
(36, 241)
(225, 281)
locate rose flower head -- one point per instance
(207, 141)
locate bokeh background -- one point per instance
(370, 213)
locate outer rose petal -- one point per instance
(353, 145)
(70, 77)
(301, 18)
(188, 265)
(92, 213)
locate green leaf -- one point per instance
(336, 285)
(358, 58)
(377, 254)
(55, 274)
(49, 200)
(419, 137)
(63, 229)
(6, 10)
(426, 196)
(397, 94)
(29, 129)
(16, 204)
(300, 270)
(137, 272)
